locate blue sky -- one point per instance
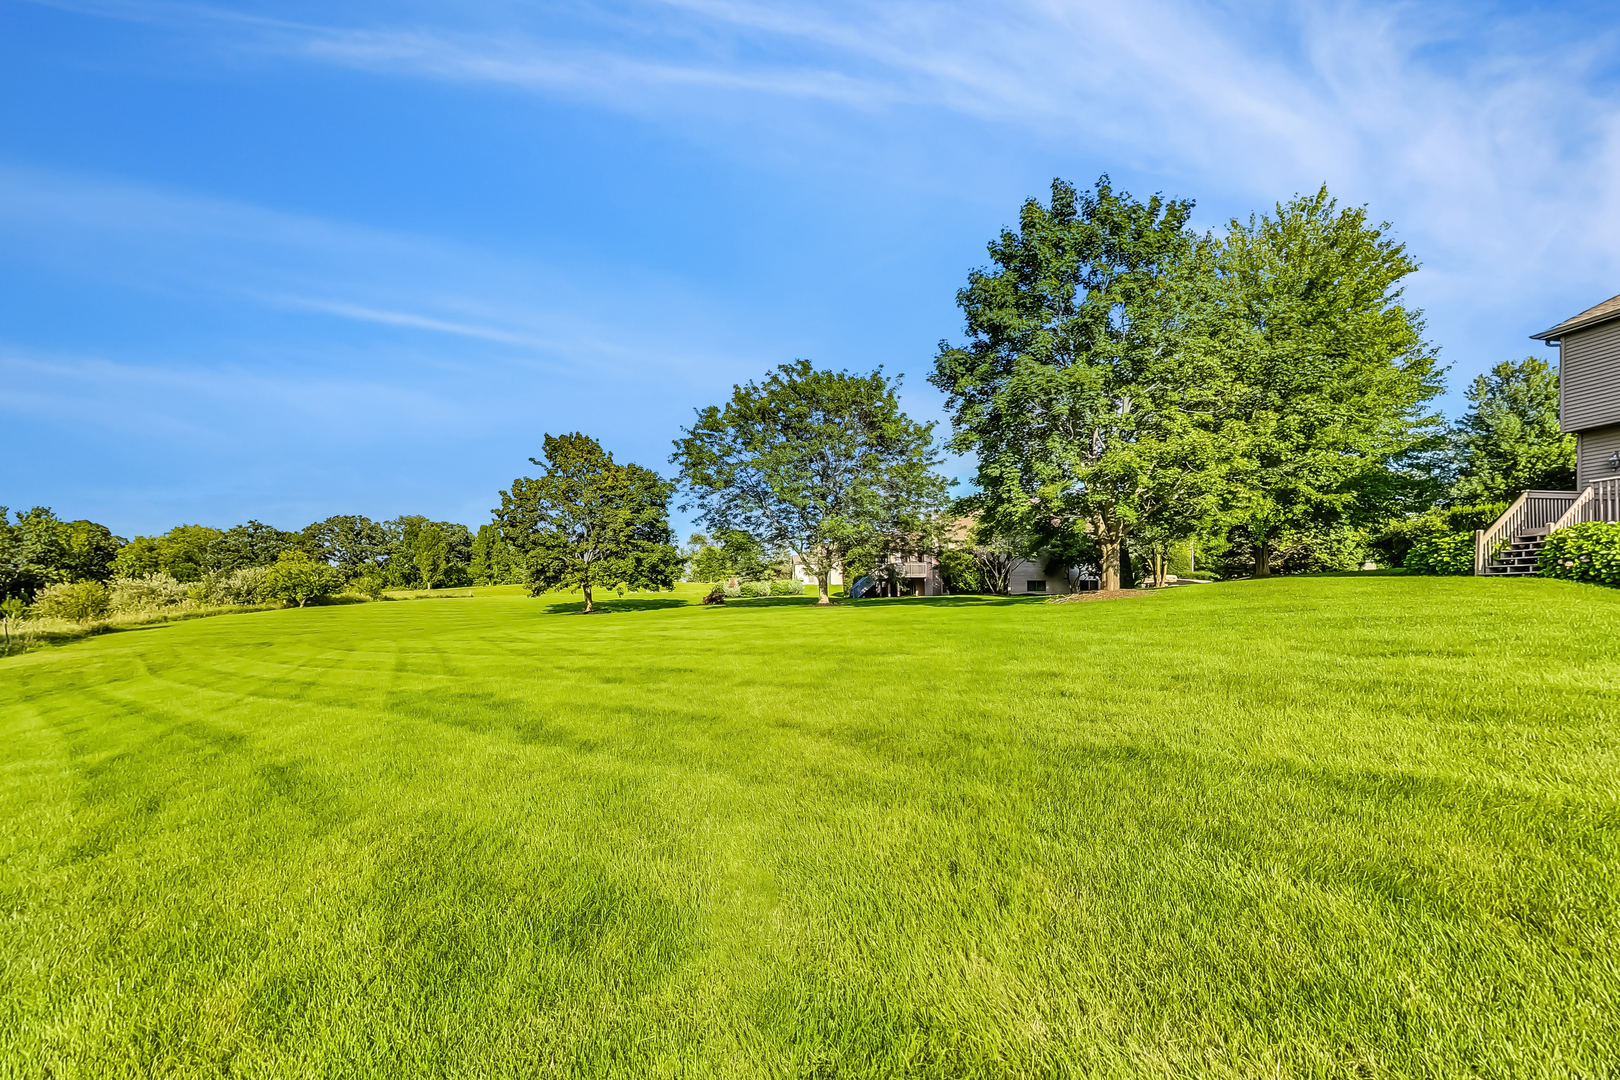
(286, 260)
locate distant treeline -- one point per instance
(38, 549)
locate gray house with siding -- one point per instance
(1589, 388)
(1588, 407)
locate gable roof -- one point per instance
(1609, 309)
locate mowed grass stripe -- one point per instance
(1332, 826)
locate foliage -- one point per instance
(707, 561)
(372, 583)
(78, 601)
(297, 578)
(13, 613)
(729, 553)
(1510, 440)
(1442, 553)
(428, 554)
(1329, 366)
(352, 543)
(238, 588)
(589, 522)
(818, 463)
(995, 553)
(494, 562)
(183, 553)
(147, 593)
(786, 587)
(1089, 388)
(39, 549)
(1396, 538)
(1587, 552)
(242, 546)
(959, 570)
(716, 595)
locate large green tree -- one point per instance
(182, 553)
(493, 560)
(426, 554)
(819, 463)
(588, 522)
(1330, 372)
(350, 542)
(252, 544)
(1091, 386)
(1509, 440)
(39, 549)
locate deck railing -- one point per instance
(1599, 502)
(1530, 512)
(913, 569)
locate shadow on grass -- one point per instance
(619, 605)
(629, 604)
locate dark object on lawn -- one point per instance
(717, 595)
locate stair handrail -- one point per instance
(1532, 509)
(1599, 502)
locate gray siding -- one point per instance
(1589, 378)
(1592, 451)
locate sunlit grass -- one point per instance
(1347, 826)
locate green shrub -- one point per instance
(297, 578)
(959, 570)
(1442, 553)
(786, 588)
(1397, 537)
(148, 593)
(240, 588)
(1588, 552)
(372, 584)
(732, 591)
(80, 602)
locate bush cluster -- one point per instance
(79, 601)
(1588, 552)
(1442, 553)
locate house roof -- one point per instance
(1609, 309)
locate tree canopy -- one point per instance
(587, 521)
(1088, 387)
(819, 463)
(1510, 440)
(1330, 367)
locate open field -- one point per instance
(1332, 826)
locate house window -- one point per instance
(1035, 586)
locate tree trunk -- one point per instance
(1262, 559)
(1112, 550)
(821, 589)
(587, 588)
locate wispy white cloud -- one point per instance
(1492, 140)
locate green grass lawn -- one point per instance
(1300, 827)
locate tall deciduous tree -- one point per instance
(1509, 440)
(253, 544)
(352, 543)
(1331, 369)
(39, 549)
(819, 463)
(587, 521)
(493, 560)
(1090, 387)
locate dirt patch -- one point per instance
(1099, 594)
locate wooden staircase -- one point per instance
(1519, 556)
(1510, 547)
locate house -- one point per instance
(1589, 407)
(920, 576)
